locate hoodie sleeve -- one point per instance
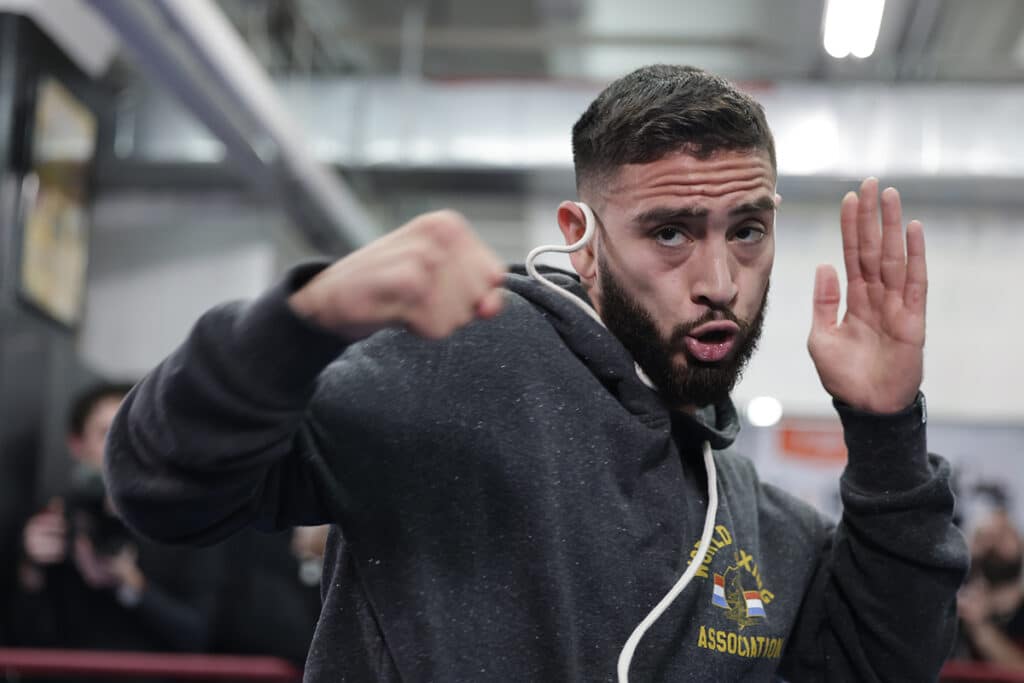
(218, 435)
(881, 605)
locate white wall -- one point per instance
(159, 261)
(139, 316)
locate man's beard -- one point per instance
(697, 382)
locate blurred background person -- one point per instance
(991, 604)
(85, 581)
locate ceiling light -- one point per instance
(851, 27)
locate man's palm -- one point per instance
(873, 359)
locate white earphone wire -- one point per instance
(626, 655)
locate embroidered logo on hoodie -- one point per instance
(740, 589)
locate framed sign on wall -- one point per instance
(54, 208)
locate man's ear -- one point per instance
(573, 224)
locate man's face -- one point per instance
(88, 446)
(681, 267)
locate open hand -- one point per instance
(45, 535)
(873, 360)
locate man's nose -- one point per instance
(714, 283)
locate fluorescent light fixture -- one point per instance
(764, 411)
(851, 27)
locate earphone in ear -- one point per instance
(588, 234)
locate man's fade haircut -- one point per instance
(661, 109)
(86, 401)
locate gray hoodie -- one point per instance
(510, 502)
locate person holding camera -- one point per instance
(84, 581)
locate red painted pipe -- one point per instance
(978, 672)
(112, 664)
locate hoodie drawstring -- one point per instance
(626, 655)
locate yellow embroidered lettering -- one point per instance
(744, 561)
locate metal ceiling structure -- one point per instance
(445, 91)
(748, 40)
(192, 50)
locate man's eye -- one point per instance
(670, 237)
(750, 234)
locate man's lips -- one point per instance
(713, 341)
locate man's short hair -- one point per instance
(661, 109)
(86, 401)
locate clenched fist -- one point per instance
(433, 275)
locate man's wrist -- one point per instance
(127, 595)
(134, 579)
(30, 576)
(130, 589)
(886, 452)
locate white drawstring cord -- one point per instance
(626, 656)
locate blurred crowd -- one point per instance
(82, 580)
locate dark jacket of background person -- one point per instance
(513, 500)
(15, 505)
(172, 614)
(268, 605)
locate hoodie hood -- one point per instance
(605, 356)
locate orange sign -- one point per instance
(809, 440)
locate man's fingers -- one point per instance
(894, 261)
(826, 299)
(491, 304)
(869, 241)
(483, 269)
(851, 248)
(915, 291)
(433, 275)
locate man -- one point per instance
(510, 498)
(85, 582)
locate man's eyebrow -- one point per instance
(765, 203)
(665, 214)
(669, 214)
